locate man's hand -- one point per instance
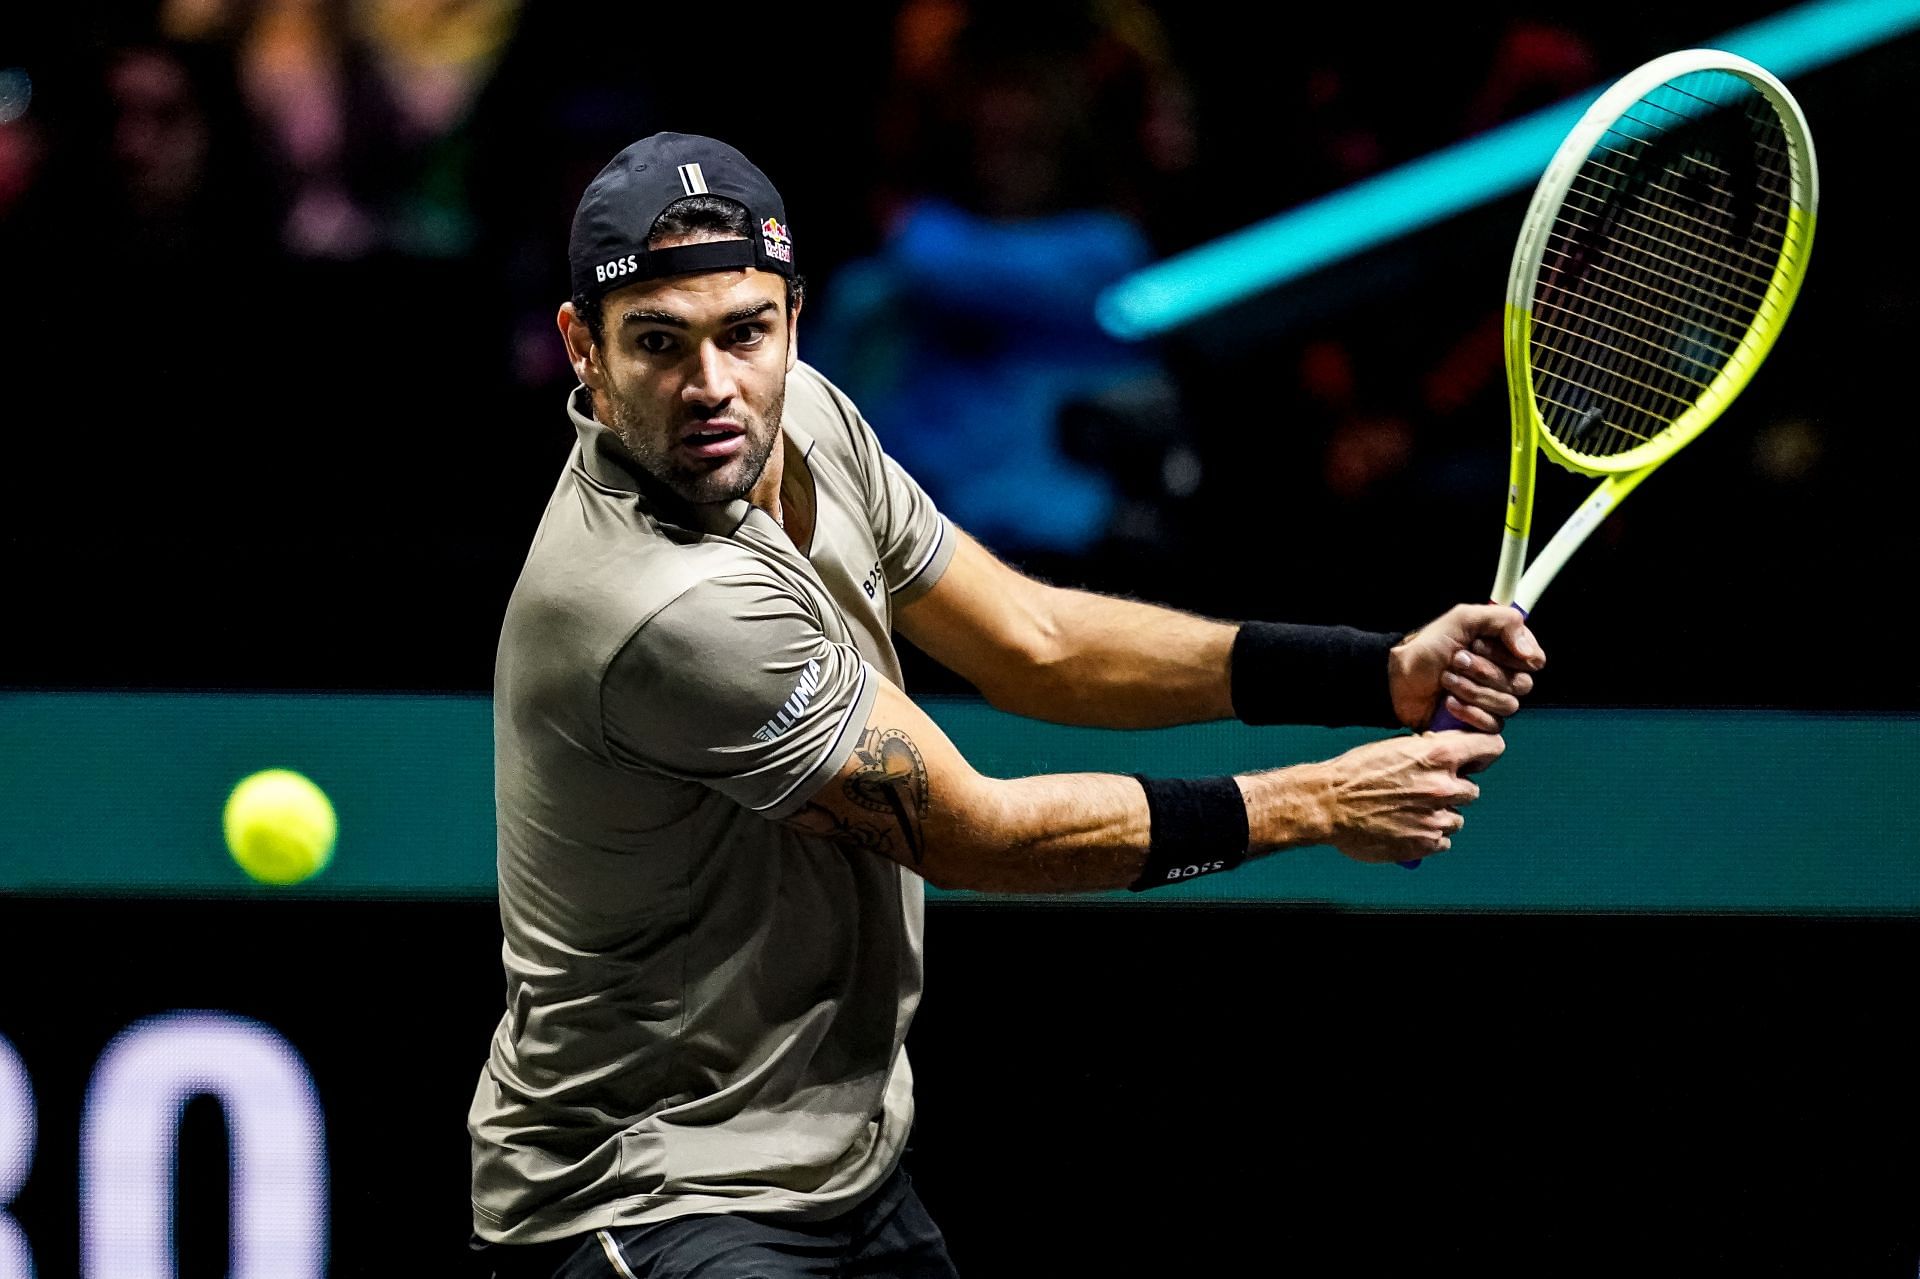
(1398, 799)
(1480, 656)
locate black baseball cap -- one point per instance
(608, 247)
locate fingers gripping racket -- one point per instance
(1663, 249)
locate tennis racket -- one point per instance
(1663, 249)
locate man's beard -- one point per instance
(701, 485)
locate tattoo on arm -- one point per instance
(891, 780)
(817, 819)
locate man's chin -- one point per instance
(726, 483)
(711, 494)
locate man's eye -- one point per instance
(747, 334)
(655, 343)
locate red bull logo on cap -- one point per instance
(775, 240)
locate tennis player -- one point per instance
(717, 806)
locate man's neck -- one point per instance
(765, 493)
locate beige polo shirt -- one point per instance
(705, 1011)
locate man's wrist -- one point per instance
(1287, 808)
(1337, 676)
(1399, 676)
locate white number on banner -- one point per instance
(130, 1135)
(16, 1156)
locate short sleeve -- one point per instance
(734, 685)
(915, 540)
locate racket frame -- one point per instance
(1521, 585)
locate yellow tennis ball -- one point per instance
(280, 827)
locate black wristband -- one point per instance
(1198, 827)
(1331, 675)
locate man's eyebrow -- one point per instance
(671, 320)
(746, 313)
(654, 317)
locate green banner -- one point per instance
(121, 794)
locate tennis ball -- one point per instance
(280, 827)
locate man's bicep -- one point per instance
(904, 792)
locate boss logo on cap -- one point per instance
(775, 240)
(618, 267)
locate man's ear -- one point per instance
(582, 352)
(793, 334)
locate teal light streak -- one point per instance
(1235, 267)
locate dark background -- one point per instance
(231, 460)
(231, 457)
(1178, 1091)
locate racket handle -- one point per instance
(1444, 721)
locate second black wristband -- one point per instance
(1198, 826)
(1336, 676)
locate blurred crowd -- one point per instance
(282, 390)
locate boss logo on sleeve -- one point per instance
(795, 706)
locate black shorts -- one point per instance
(887, 1236)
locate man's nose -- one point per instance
(712, 382)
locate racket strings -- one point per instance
(1660, 259)
(1628, 331)
(1714, 285)
(1640, 399)
(1641, 291)
(1589, 411)
(1772, 214)
(1719, 260)
(1718, 255)
(1633, 307)
(1628, 359)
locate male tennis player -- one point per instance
(717, 807)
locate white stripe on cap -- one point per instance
(692, 180)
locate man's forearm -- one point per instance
(1084, 832)
(1056, 833)
(1075, 657)
(1114, 663)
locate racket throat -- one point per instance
(1524, 464)
(1513, 558)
